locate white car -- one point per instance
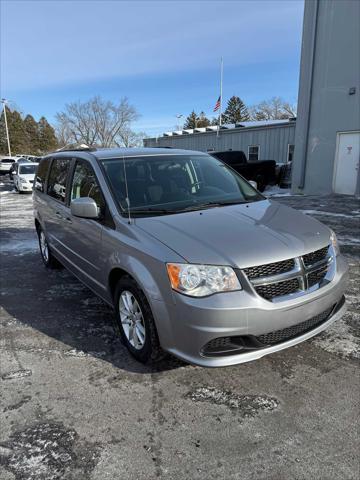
(6, 163)
(24, 176)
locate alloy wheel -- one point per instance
(44, 247)
(132, 320)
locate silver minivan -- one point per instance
(194, 260)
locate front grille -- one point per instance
(278, 289)
(314, 257)
(290, 332)
(316, 277)
(290, 276)
(270, 269)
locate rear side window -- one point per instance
(41, 174)
(56, 187)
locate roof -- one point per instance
(140, 152)
(232, 126)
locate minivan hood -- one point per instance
(238, 235)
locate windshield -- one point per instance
(175, 183)
(27, 169)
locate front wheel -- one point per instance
(135, 322)
(47, 257)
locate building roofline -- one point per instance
(225, 130)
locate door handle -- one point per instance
(58, 214)
(68, 219)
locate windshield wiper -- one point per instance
(157, 211)
(202, 206)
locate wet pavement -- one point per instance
(75, 405)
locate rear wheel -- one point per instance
(260, 180)
(135, 322)
(47, 257)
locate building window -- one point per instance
(290, 154)
(253, 153)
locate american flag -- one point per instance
(217, 104)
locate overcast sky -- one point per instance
(163, 55)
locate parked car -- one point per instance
(24, 176)
(263, 172)
(194, 260)
(6, 164)
(18, 161)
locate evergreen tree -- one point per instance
(191, 121)
(46, 136)
(16, 132)
(202, 120)
(3, 141)
(236, 111)
(196, 121)
(215, 120)
(31, 134)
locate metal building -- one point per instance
(328, 122)
(266, 140)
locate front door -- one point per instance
(84, 235)
(347, 163)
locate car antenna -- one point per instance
(127, 191)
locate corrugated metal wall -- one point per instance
(273, 141)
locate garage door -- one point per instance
(347, 162)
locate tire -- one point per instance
(47, 257)
(260, 180)
(135, 322)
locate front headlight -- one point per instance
(334, 242)
(202, 280)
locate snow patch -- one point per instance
(348, 240)
(81, 354)
(248, 405)
(17, 374)
(19, 247)
(330, 214)
(339, 339)
(275, 191)
(7, 192)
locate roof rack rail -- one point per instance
(71, 147)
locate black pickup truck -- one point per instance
(262, 171)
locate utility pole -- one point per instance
(3, 101)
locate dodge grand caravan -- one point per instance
(194, 260)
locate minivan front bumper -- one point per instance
(192, 322)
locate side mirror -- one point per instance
(84, 207)
(253, 183)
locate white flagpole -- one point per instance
(221, 88)
(221, 94)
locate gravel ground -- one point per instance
(74, 405)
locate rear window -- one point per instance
(56, 187)
(7, 160)
(41, 174)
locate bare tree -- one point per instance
(274, 109)
(96, 122)
(129, 138)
